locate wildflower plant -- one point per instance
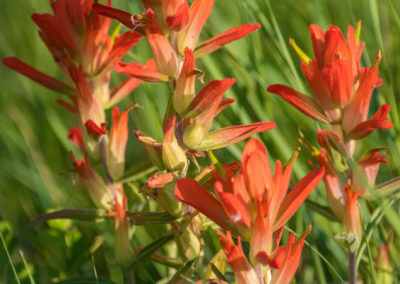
(186, 216)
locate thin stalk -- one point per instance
(352, 268)
(9, 258)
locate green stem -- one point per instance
(352, 268)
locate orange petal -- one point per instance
(75, 135)
(117, 144)
(257, 170)
(37, 76)
(338, 76)
(141, 72)
(207, 96)
(123, 17)
(335, 46)
(233, 206)
(184, 91)
(95, 130)
(318, 40)
(229, 135)
(244, 273)
(176, 14)
(297, 196)
(357, 111)
(290, 261)
(56, 34)
(317, 84)
(303, 103)
(126, 87)
(378, 121)
(190, 192)
(121, 46)
(199, 12)
(163, 53)
(261, 237)
(226, 37)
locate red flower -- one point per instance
(255, 204)
(288, 258)
(174, 16)
(76, 37)
(342, 87)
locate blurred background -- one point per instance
(35, 171)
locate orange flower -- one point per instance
(117, 143)
(342, 87)
(352, 218)
(97, 189)
(174, 16)
(288, 258)
(76, 37)
(123, 248)
(255, 204)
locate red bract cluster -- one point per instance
(255, 206)
(343, 89)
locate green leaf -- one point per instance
(218, 273)
(150, 249)
(150, 218)
(389, 188)
(88, 215)
(181, 272)
(85, 280)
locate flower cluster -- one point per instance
(79, 43)
(343, 90)
(172, 29)
(254, 205)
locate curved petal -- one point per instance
(190, 192)
(226, 37)
(199, 12)
(37, 76)
(123, 17)
(229, 135)
(303, 103)
(357, 111)
(318, 40)
(121, 46)
(207, 96)
(233, 206)
(184, 90)
(257, 170)
(297, 196)
(141, 72)
(291, 259)
(378, 121)
(244, 273)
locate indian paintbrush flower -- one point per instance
(287, 261)
(253, 205)
(342, 87)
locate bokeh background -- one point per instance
(35, 170)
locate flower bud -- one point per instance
(352, 218)
(97, 189)
(173, 156)
(152, 147)
(117, 145)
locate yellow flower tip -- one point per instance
(300, 53)
(377, 60)
(358, 31)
